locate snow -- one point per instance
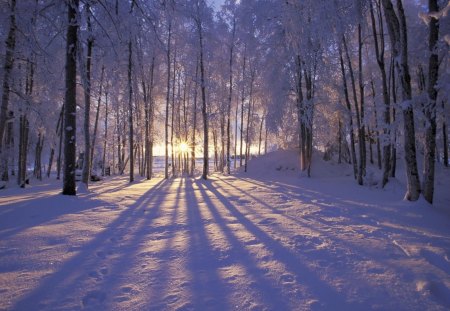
(263, 240)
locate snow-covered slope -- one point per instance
(263, 240)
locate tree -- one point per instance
(7, 69)
(87, 103)
(70, 100)
(396, 23)
(430, 108)
(379, 53)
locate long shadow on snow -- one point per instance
(19, 217)
(352, 214)
(116, 287)
(327, 296)
(240, 254)
(72, 275)
(207, 287)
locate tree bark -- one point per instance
(399, 42)
(106, 136)
(242, 112)
(166, 126)
(358, 115)
(430, 109)
(70, 102)
(204, 105)
(230, 96)
(379, 53)
(97, 115)
(7, 69)
(130, 110)
(87, 105)
(349, 108)
(445, 139)
(194, 127)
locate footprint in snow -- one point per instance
(93, 298)
(170, 299)
(101, 254)
(287, 279)
(267, 221)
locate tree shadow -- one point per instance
(59, 287)
(298, 271)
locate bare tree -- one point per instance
(7, 69)
(70, 100)
(396, 22)
(87, 103)
(430, 108)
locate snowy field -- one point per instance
(265, 240)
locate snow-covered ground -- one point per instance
(263, 240)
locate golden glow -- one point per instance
(183, 147)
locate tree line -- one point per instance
(363, 81)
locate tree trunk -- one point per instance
(260, 133)
(445, 139)
(339, 141)
(61, 136)
(130, 111)
(230, 98)
(37, 157)
(393, 87)
(349, 108)
(236, 134)
(377, 131)
(50, 162)
(172, 119)
(204, 110)
(194, 129)
(363, 161)
(166, 124)
(430, 109)
(87, 105)
(106, 136)
(358, 116)
(97, 115)
(70, 102)
(399, 42)
(249, 120)
(242, 112)
(379, 52)
(7, 69)
(23, 150)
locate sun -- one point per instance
(183, 147)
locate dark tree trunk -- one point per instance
(104, 167)
(166, 126)
(87, 105)
(70, 102)
(399, 42)
(7, 69)
(130, 110)
(430, 109)
(349, 108)
(204, 106)
(230, 98)
(97, 115)
(242, 113)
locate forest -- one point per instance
(104, 86)
(224, 155)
